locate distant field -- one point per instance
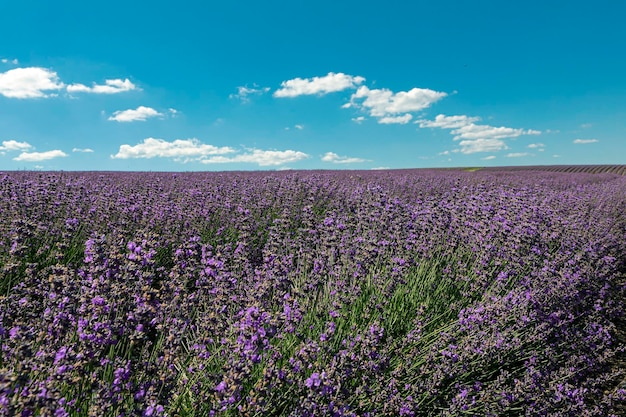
(494, 292)
(590, 169)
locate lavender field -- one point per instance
(386, 293)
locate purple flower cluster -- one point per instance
(400, 293)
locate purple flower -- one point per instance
(70, 223)
(315, 380)
(221, 387)
(62, 369)
(60, 355)
(140, 394)
(61, 412)
(152, 409)
(405, 410)
(14, 331)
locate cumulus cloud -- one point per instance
(464, 127)
(25, 156)
(475, 137)
(36, 82)
(536, 146)
(83, 150)
(40, 156)
(585, 141)
(384, 104)
(473, 131)
(13, 145)
(186, 150)
(448, 122)
(330, 83)
(336, 159)
(259, 157)
(243, 92)
(109, 87)
(180, 150)
(140, 114)
(32, 82)
(402, 120)
(481, 145)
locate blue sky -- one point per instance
(186, 86)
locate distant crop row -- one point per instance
(392, 293)
(589, 169)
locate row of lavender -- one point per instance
(589, 169)
(403, 293)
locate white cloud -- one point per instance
(336, 159)
(584, 141)
(475, 137)
(141, 114)
(109, 87)
(517, 154)
(32, 82)
(13, 145)
(448, 122)
(358, 120)
(180, 150)
(23, 147)
(185, 150)
(244, 91)
(384, 103)
(482, 145)
(473, 131)
(536, 146)
(330, 83)
(402, 120)
(40, 156)
(463, 127)
(488, 158)
(260, 157)
(85, 150)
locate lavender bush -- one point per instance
(400, 293)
